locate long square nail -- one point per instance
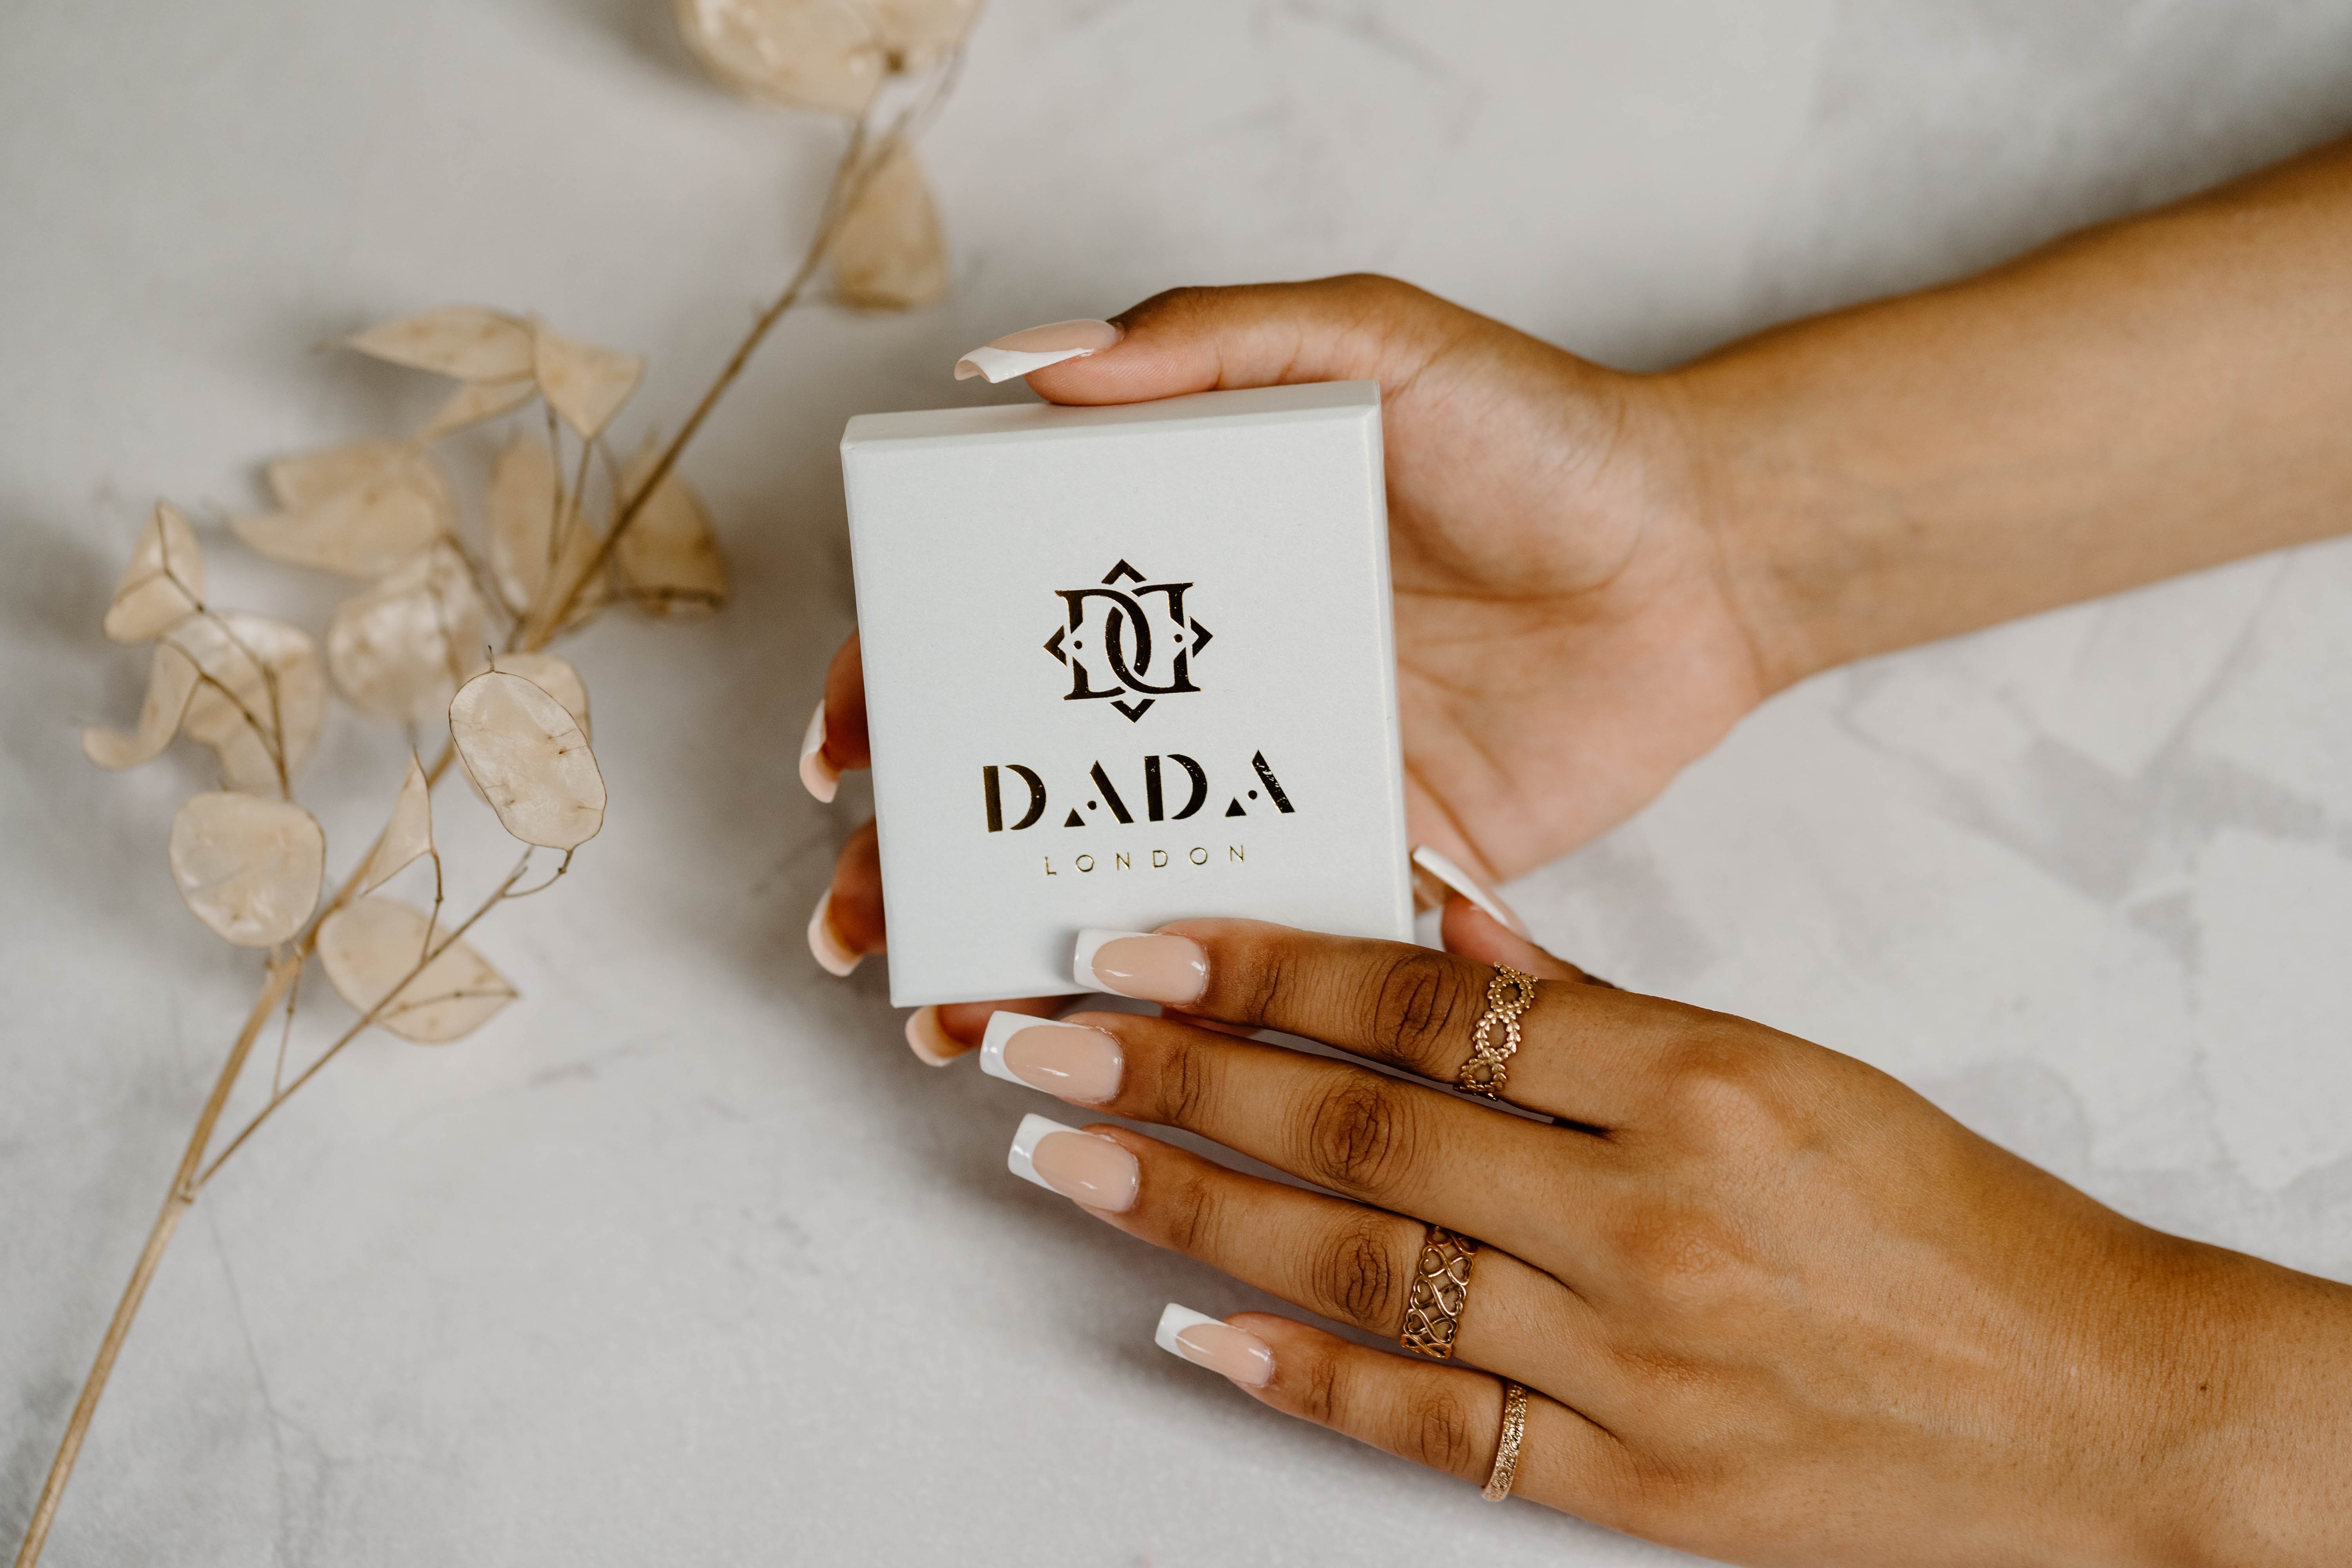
(1072, 1061)
(1148, 965)
(1222, 1348)
(1083, 1167)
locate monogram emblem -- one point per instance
(1113, 635)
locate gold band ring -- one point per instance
(1508, 995)
(1507, 1451)
(1441, 1284)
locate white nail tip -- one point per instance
(1034, 1130)
(1005, 364)
(838, 961)
(1082, 961)
(1001, 1027)
(816, 776)
(1174, 1321)
(1461, 882)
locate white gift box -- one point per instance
(1125, 665)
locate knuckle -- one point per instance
(1259, 981)
(1190, 1217)
(1319, 1392)
(1437, 1430)
(1182, 1086)
(1724, 1087)
(1359, 1138)
(1357, 1279)
(1684, 1256)
(1421, 1009)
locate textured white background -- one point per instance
(685, 1260)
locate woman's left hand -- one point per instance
(1771, 1306)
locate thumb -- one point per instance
(1356, 328)
(1476, 934)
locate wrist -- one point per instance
(1768, 503)
(2242, 1418)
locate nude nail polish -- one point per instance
(931, 1044)
(1222, 1348)
(1142, 964)
(819, 777)
(1034, 348)
(827, 944)
(1081, 1166)
(1070, 1060)
(1470, 887)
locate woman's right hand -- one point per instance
(1568, 633)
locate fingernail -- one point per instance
(1171, 969)
(1081, 1166)
(930, 1041)
(1470, 887)
(1221, 1347)
(819, 777)
(1070, 1060)
(827, 944)
(1034, 348)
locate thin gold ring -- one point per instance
(1506, 1450)
(1441, 1285)
(1508, 995)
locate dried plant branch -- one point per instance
(366, 1019)
(377, 509)
(855, 171)
(182, 1193)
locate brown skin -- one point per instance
(1782, 1310)
(1773, 1307)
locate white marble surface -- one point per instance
(686, 1259)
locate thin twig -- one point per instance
(850, 180)
(182, 1193)
(286, 1033)
(566, 866)
(360, 1028)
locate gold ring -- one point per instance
(1508, 995)
(1432, 1311)
(1507, 1451)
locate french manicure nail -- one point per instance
(1034, 348)
(827, 944)
(1081, 1166)
(1222, 1348)
(1070, 1060)
(819, 777)
(1470, 887)
(929, 1042)
(1152, 968)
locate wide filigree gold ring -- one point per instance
(1441, 1284)
(1497, 1038)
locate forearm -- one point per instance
(2152, 396)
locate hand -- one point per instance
(1565, 640)
(1771, 1306)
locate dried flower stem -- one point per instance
(368, 1018)
(182, 1193)
(865, 155)
(276, 983)
(859, 162)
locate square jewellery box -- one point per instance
(1125, 665)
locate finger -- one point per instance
(847, 923)
(1354, 1265)
(1595, 1056)
(940, 1033)
(1449, 1418)
(1479, 936)
(1359, 328)
(836, 740)
(1523, 1185)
